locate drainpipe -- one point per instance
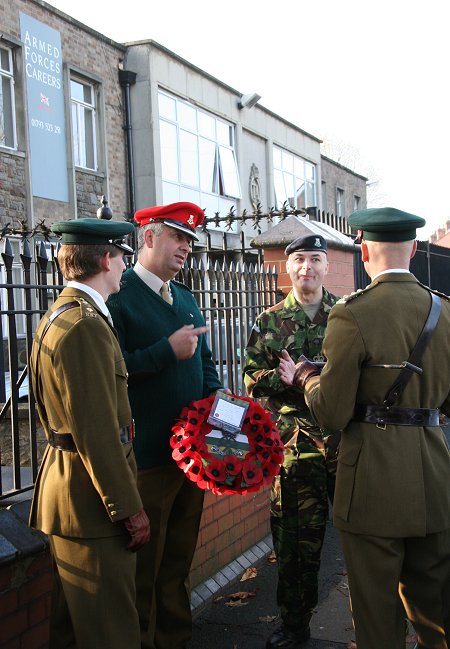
(126, 80)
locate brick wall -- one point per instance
(13, 198)
(25, 583)
(340, 274)
(230, 525)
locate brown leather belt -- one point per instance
(65, 441)
(396, 416)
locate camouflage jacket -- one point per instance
(284, 326)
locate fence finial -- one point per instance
(104, 212)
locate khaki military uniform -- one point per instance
(300, 494)
(81, 497)
(392, 499)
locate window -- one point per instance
(295, 180)
(356, 202)
(7, 106)
(340, 207)
(198, 157)
(324, 196)
(82, 102)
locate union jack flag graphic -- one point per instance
(45, 100)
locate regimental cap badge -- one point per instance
(312, 242)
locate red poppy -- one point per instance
(203, 481)
(179, 452)
(216, 470)
(251, 472)
(233, 465)
(177, 437)
(269, 470)
(190, 462)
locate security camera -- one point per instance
(247, 101)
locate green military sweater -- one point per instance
(159, 384)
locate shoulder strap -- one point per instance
(53, 316)
(413, 361)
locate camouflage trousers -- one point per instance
(299, 514)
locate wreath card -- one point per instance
(227, 412)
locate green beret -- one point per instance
(90, 231)
(385, 224)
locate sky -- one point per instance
(368, 78)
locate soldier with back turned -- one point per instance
(385, 383)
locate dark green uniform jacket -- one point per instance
(392, 482)
(83, 391)
(160, 385)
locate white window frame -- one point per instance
(7, 78)
(340, 202)
(213, 171)
(294, 177)
(356, 202)
(78, 110)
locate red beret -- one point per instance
(181, 216)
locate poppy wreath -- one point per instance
(230, 475)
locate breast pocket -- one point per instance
(346, 477)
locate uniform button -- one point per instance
(113, 513)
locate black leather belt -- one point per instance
(394, 415)
(65, 442)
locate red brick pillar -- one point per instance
(25, 585)
(339, 280)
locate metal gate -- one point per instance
(430, 264)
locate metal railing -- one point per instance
(230, 295)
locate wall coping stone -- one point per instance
(17, 539)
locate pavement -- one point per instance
(246, 620)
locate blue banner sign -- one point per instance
(45, 99)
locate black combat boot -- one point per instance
(286, 638)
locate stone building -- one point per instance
(82, 116)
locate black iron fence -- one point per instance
(431, 266)
(231, 288)
(230, 295)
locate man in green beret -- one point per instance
(86, 498)
(300, 494)
(385, 383)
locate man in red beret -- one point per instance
(162, 336)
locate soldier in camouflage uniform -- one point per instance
(299, 498)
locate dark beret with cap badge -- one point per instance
(313, 242)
